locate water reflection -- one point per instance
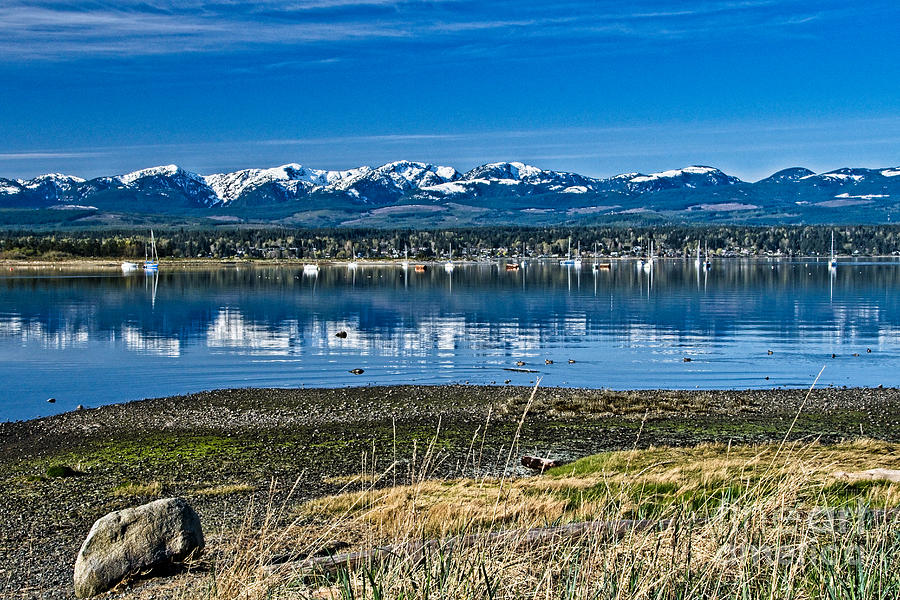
(624, 327)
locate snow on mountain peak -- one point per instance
(672, 174)
(842, 175)
(229, 186)
(165, 170)
(58, 179)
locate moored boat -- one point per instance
(151, 257)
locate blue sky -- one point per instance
(599, 88)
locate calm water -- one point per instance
(101, 337)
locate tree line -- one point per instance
(342, 243)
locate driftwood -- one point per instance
(415, 552)
(539, 464)
(870, 475)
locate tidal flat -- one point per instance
(231, 453)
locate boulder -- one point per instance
(136, 540)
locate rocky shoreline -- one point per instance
(227, 450)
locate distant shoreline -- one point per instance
(105, 263)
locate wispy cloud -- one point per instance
(57, 30)
(598, 151)
(4, 156)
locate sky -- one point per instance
(599, 88)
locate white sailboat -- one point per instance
(833, 262)
(708, 263)
(568, 261)
(151, 260)
(405, 263)
(311, 268)
(353, 262)
(698, 262)
(648, 264)
(448, 266)
(577, 261)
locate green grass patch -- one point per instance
(61, 471)
(158, 450)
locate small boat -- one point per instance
(128, 267)
(311, 269)
(512, 266)
(646, 265)
(151, 260)
(568, 261)
(448, 266)
(598, 266)
(833, 262)
(421, 268)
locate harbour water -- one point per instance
(97, 337)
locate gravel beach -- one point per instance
(227, 450)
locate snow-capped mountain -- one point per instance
(393, 179)
(171, 179)
(689, 177)
(504, 178)
(509, 191)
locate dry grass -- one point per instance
(640, 483)
(750, 523)
(360, 479)
(152, 488)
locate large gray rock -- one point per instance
(133, 540)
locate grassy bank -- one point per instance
(745, 522)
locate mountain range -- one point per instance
(414, 194)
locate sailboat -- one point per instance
(353, 263)
(648, 264)
(151, 260)
(569, 261)
(698, 262)
(577, 261)
(833, 262)
(311, 268)
(708, 263)
(597, 264)
(448, 266)
(405, 263)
